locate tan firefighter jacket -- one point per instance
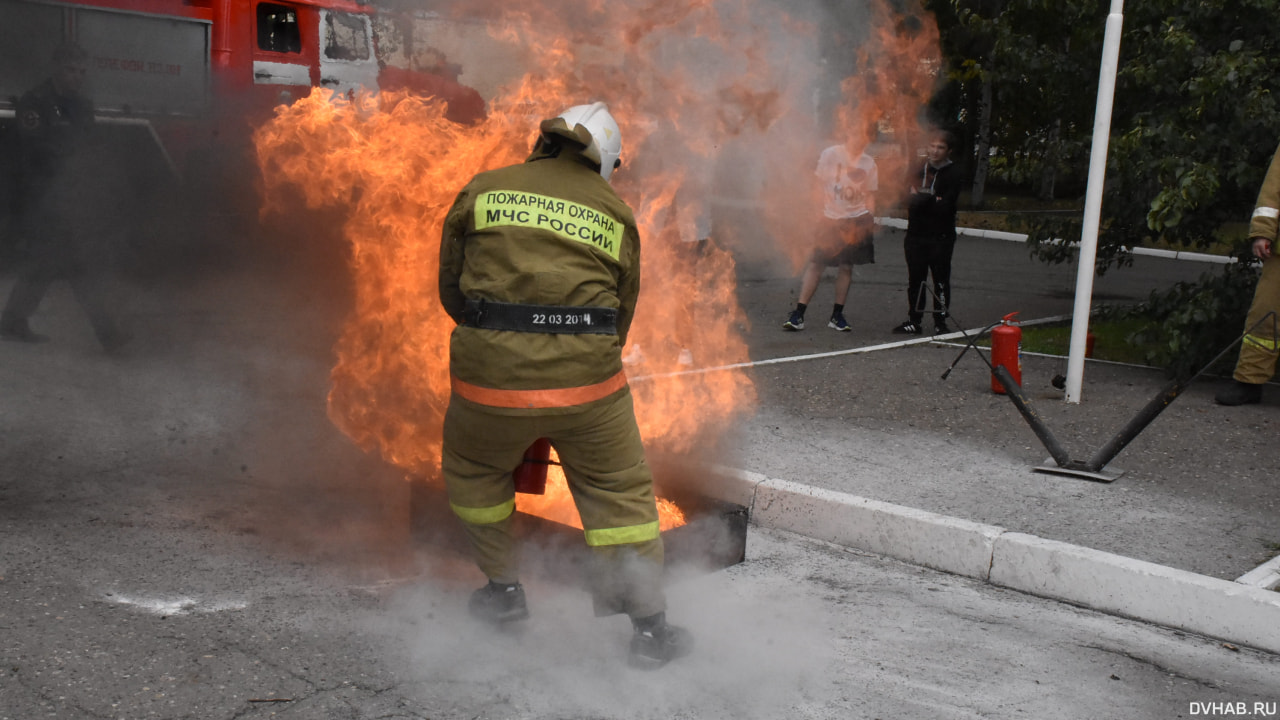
(1266, 212)
(550, 231)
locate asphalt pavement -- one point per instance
(184, 534)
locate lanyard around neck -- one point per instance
(925, 177)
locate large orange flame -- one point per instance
(687, 80)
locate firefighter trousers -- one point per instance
(1258, 351)
(600, 449)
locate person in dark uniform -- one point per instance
(56, 215)
(540, 268)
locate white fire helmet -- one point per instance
(607, 144)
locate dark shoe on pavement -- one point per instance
(908, 328)
(655, 643)
(498, 603)
(940, 328)
(20, 331)
(795, 322)
(838, 322)
(1240, 393)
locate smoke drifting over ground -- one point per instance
(756, 656)
(724, 109)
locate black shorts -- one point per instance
(848, 241)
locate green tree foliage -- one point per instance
(1196, 121)
(1035, 54)
(1194, 126)
(1184, 328)
(1195, 118)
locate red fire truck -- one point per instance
(189, 79)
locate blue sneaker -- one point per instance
(837, 322)
(795, 322)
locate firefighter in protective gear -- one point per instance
(539, 266)
(1261, 345)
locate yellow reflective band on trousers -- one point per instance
(485, 515)
(569, 220)
(1268, 344)
(622, 535)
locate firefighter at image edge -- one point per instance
(1261, 346)
(540, 268)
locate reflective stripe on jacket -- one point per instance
(548, 398)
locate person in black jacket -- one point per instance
(931, 236)
(60, 203)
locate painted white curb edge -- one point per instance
(1114, 584)
(1138, 589)
(1265, 576)
(918, 537)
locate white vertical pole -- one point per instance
(1093, 200)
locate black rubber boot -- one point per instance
(498, 603)
(1240, 393)
(655, 643)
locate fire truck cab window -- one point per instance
(346, 36)
(278, 29)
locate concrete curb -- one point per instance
(1231, 611)
(918, 537)
(1265, 576)
(1138, 589)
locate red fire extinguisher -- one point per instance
(531, 474)
(1006, 350)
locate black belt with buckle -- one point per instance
(554, 319)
